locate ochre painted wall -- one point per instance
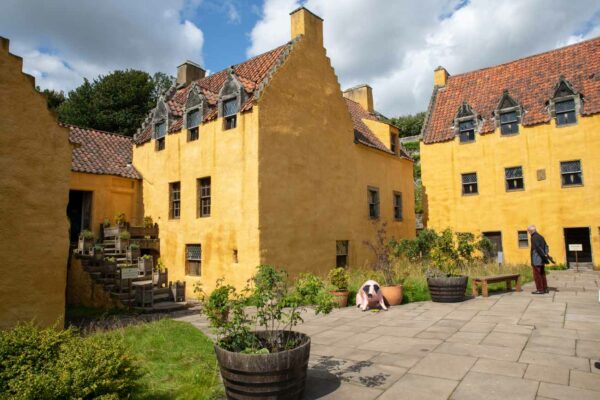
(111, 195)
(543, 202)
(313, 178)
(229, 158)
(35, 160)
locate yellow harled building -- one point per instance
(269, 162)
(518, 144)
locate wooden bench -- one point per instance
(485, 280)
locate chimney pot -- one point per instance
(188, 72)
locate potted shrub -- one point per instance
(133, 252)
(446, 284)
(98, 252)
(160, 273)
(338, 278)
(121, 220)
(216, 305)
(270, 362)
(122, 241)
(86, 241)
(391, 289)
(177, 290)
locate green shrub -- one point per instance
(86, 234)
(338, 277)
(51, 364)
(125, 235)
(308, 286)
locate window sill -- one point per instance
(202, 216)
(174, 219)
(470, 194)
(509, 134)
(571, 186)
(565, 125)
(515, 190)
(469, 142)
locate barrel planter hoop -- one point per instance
(280, 375)
(449, 289)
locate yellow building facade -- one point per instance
(283, 168)
(517, 144)
(35, 160)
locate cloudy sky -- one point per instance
(392, 45)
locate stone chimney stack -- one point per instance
(307, 24)
(440, 76)
(188, 72)
(362, 94)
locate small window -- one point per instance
(514, 178)
(341, 253)
(193, 259)
(523, 239)
(469, 183)
(235, 256)
(160, 131)
(565, 112)
(509, 123)
(230, 109)
(571, 174)
(204, 197)
(373, 195)
(394, 143)
(193, 125)
(466, 131)
(397, 206)
(174, 200)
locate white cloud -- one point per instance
(395, 45)
(63, 41)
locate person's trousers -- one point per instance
(539, 276)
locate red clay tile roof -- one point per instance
(530, 81)
(104, 153)
(250, 73)
(362, 133)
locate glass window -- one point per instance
(397, 206)
(523, 239)
(469, 183)
(373, 195)
(193, 125)
(341, 253)
(565, 112)
(571, 173)
(160, 144)
(514, 178)
(160, 130)
(467, 131)
(393, 143)
(509, 123)
(193, 259)
(204, 197)
(175, 200)
(230, 107)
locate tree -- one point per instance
(53, 97)
(162, 82)
(117, 102)
(409, 125)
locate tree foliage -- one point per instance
(53, 97)
(409, 125)
(117, 102)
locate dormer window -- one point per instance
(565, 104)
(160, 131)
(394, 143)
(194, 111)
(231, 98)
(193, 124)
(508, 115)
(465, 123)
(230, 109)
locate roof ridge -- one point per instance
(96, 130)
(526, 57)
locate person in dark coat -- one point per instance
(539, 258)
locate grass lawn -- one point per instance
(178, 361)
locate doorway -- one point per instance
(79, 212)
(578, 236)
(497, 253)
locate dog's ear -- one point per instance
(376, 287)
(366, 288)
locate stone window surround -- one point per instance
(466, 113)
(576, 96)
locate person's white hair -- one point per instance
(531, 228)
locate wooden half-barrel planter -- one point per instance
(447, 289)
(278, 375)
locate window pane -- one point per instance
(509, 128)
(465, 125)
(194, 134)
(469, 178)
(467, 136)
(193, 119)
(341, 247)
(230, 107)
(508, 117)
(193, 252)
(563, 106)
(565, 118)
(160, 130)
(515, 172)
(570, 166)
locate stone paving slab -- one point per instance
(506, 346)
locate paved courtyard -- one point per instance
(507, 346)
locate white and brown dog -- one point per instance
(369, 296)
